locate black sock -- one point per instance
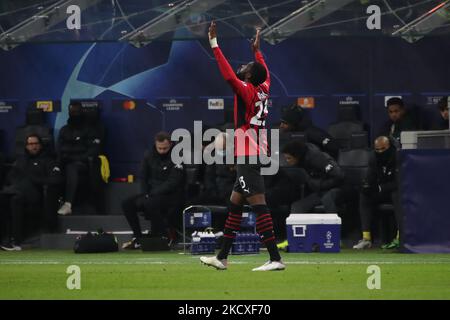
(232, 226)
(264, 227)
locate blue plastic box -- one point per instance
(248, 220)
(197, 219)
(246, 243)
(313, 232)
(203, 242)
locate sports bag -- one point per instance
(96, 243)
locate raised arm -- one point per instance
(259, 57)
(239, 87)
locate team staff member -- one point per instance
(322, 176)
(380, 186)
(25, 191)
(162, 193)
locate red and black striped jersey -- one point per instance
(250, 107)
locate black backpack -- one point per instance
(96, 243)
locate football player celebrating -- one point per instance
(251, 88)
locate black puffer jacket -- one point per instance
(301, 122)
(322, 170)
(219, 179)
(382, 174)
(30, 173)
(78, 142)
(160, 175)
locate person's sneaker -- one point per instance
(271, 266)
(131, 245)
(363, 244)
(283, 245)
(65, 209)
(395, 244)
(11, 247)
(214, 262)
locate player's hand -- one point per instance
(256, 41)
(212, 33)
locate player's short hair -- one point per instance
(395, 101)
(162, 136)
(443, 103)
(259, 73)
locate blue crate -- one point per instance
(202, 248)
(246, 243)
(197, 219)
(203, 242)
(248, 220)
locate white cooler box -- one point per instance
(313, 232)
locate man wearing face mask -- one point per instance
(76, 153)
(380, 186)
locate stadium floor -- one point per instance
(38, 274)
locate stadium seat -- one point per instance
(359, 140)
(354, 158)
(348, 113)
(354, 163)
(34, 123)
(342, 132)
(286, 137)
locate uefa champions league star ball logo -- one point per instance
(329, 244)
(205, 219)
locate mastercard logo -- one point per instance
(129, 105)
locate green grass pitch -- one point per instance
(38, 274)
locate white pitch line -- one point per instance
(140, 262)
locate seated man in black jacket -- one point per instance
(380, 186)
(218, 178)
(321, 175)
(31, 176)
(78, 151)
(295, 119)
(162, 193)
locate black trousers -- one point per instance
(368, 204)
(163, 211)
(326, 198)
(88, 172)
(279, 199)
(19, 209)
